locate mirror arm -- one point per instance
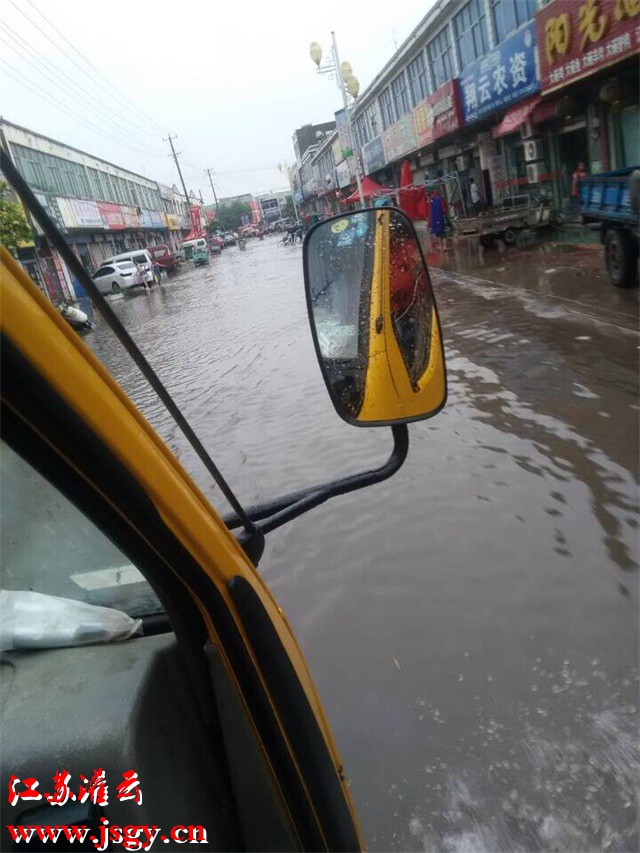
(279, 511)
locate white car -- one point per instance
(116, 276)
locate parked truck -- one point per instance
(612, 202)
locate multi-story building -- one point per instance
(513, 93)
(175, 213)
(310, 134)
(102, 209)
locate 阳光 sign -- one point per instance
(578, 37)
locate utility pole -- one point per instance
(213, 189)
(175, 158)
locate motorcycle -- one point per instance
(75, 317)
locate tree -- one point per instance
(288, 210)
(14, 228)
(229, 216)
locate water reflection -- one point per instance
(411, 299)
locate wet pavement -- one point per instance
(472, 623)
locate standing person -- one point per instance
(578, 175)
(140, 276)
(436, 216)
(474, 194)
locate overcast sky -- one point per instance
(232, 80)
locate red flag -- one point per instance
(196, 227)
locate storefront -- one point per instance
(397, 141)
(438, 120)
(373, 160)
(498, 94)
(588, 70)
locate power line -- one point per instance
(247, 171)
(32, 51)
(99, 115)
(96, 70)
(49, 98)
(111, 90)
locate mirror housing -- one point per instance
(374, 319)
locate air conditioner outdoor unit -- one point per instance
(527, 129)
(533, 150)
(535, 172)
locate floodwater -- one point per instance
(472, 623)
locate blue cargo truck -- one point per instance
(612, 202)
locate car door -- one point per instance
(212, 706)
(102, 280)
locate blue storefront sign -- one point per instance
(373, 156)
(502, 77)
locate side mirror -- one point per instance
(373, 318)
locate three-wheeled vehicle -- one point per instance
(200, 257)
(506, 220)
(152, 687)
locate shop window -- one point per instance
(441, 58)
(361, 130)
(418, 83)
(388, 111)
(371, 117)
(400, 94)
(470, 26)
(508, 15)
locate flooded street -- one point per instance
(472, 623)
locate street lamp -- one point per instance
(348, 85)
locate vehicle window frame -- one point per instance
(103, 271)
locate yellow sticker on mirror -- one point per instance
(339, 226)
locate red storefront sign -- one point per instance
(438, 114)
(111, 214)
(576, 38)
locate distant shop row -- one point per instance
(102, 209)
(558, 89)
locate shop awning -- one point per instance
(369, 189)
(543, 112)
(516, 116)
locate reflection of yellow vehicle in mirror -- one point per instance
(209, 699)
(374, 317)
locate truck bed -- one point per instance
(607, 197)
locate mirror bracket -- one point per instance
(279, 511)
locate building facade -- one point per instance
(102, 209)
(511, 93)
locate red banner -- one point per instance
(438, 114)
(111, 216)
(579, 37)
(196, 228)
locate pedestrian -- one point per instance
(436, 216)
(578, 175)
(474, 194)
(140, 277)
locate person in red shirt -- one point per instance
(578, 175)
